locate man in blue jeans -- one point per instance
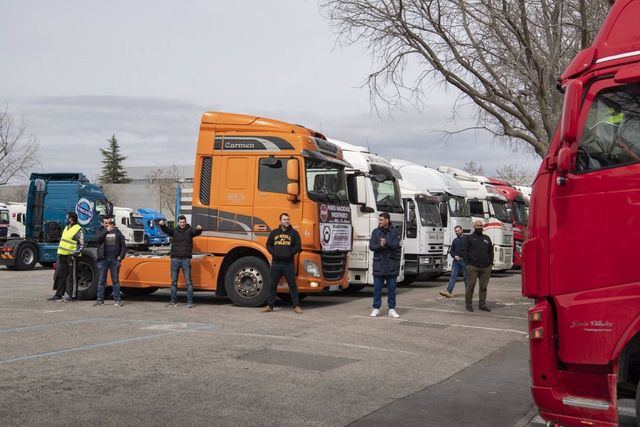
(111, 250)
(385, 244)
(458, 262)
(181, 253)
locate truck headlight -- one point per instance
(424, 260)
(311, 268)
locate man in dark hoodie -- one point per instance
(181, 253)
(111, 250)
(477, 251)
(385, 244)
(283, 244)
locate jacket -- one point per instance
(386, 259)
(456, 247)
(283, 245)
(182, 240)
(101, 237)
(477, 250)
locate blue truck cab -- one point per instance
(50, 197)
(152, 234)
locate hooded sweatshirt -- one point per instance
(283, 245)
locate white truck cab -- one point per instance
(373, 186)
(130, 224)
(424, 256)
(4, 221)
(17, 219)
(486, 204)
(454, 210)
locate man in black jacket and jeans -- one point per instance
(181, 253)
(283, 244)
(477, 251)
(111, 250)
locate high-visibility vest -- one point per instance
(67, 245)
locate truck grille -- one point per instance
(333, 265)
(138, 236)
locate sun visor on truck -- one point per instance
(319, 156)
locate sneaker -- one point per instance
(469, 309)
(266, 309)
(98, 302)
(54, 298)
(189, 305)
(118, 303)
(297, 309)
(375, 313)
(393, 313)
(484, 308)
(172, 304)
(446, 294)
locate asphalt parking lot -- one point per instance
(218, 364)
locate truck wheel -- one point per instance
(352, 289)
(87, 277)
(136, 292)
(247, 282)
(26, 256)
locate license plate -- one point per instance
(333, 288)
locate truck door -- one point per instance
(236, 196)
(595, 211)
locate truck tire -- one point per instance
(87, 276)
(136, 292)
(247, 282)
(352, 289)
(26, 256)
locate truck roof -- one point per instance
(507, 190)
(475, 186)
(60, 176)
(428, 178)
(409, 189)
(256, 122)
(359, 157)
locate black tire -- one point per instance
(47, 264)
(247, 282)
(287, 297)
(137, 292)
(407, 280)
(26, 256)
(352, 289)
(87, 277)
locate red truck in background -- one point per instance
(518, 211)
(581, 257)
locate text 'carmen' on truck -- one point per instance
(248, 170)
(581, 255)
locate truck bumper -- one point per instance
(7, 253)
(424, 266)
(553, 409)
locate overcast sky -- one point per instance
(80, 71)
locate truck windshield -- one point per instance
(500, 211)
(326, 181)
(458, 207)
(4, 217)
(520, 212)
(429, 213)
(136, 221)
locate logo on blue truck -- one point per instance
(84, 210)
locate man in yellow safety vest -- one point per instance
(71, 245)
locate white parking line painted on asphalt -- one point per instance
(100, 319)
(486, 328)
(461, 312)
(31, 309)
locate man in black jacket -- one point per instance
(387, 252)
(181, 253)
(283, 244)
(111, 251)
(477, 251)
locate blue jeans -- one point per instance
(456, 267)
(185, 265)
(112, 265)
(378, 284)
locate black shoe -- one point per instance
(69, 299)
(54, 298)
(469, 308)
(484, 308)
(98, 302)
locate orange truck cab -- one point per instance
(581, 254)
(249, 170)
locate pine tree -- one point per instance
(112, 170)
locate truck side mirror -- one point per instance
(293, 190)
(293, 171)
(571, 112)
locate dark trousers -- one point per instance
(289, 272)
(185, 265)
(111, 265)
(64, 275)
(473, 274)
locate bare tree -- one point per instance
(163, 182)
(18, 151)
(473, 168)
(504, 56)
(515, 175)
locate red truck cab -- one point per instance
(518, 212)
(584, 228)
